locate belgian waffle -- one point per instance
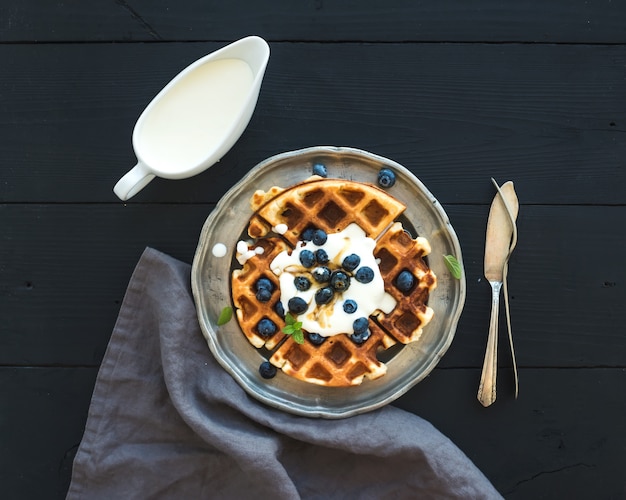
(399, 252)
(337, 362)
(328, 204)
(332, 205)
(248, 309)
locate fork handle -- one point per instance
(487, 387)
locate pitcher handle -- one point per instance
(133, 181)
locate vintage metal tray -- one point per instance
(211, 285)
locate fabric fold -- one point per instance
(166, 421)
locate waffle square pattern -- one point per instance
(280, 219)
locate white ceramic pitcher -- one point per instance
(198, 116)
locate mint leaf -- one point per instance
(453, 266)
(225, 316)
(298, 337)
(293, 327)
(289, 319)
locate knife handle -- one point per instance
(487, 387)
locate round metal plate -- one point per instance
(211, 285)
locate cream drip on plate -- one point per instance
(246, 251)
(219, 250)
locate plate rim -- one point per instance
(316, 410)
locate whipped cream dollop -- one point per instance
(331, 318)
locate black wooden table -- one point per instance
(529, 91)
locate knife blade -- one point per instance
(500, 226)
(499, 232)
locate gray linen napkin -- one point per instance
(166, 421)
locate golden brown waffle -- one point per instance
(327, 204)
(337, 362)
(398, 252)
(257, 226)
(332, 205)
(248, 309)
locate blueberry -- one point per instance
(297, 305)
(302, 283)
(405, 281)
(359, 338)
(307, 234)
(307, 258)
(263, 295)
(321, 274)
(364, 274)
(266, 327)
(319, 237)
(316, 338)
(264, 283)
(350, 306)
(340, 281)
(386, 178)
(322, 256)
(319, 169)
(351, 262)
(360, 325)
(267, 370)
(280, 309)
(324, 295)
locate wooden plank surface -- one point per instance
(578, 21)
(42, 416)
(578, 457)
(570, 419)
(460, 113)
(60, 274)
(456, 91)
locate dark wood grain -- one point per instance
(457, 91)
(460, 113)
(64, 278)
(65, 267)
(580, 21)
(42, 418)
(570, 419)
(43, 412)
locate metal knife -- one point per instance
(497, 251)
